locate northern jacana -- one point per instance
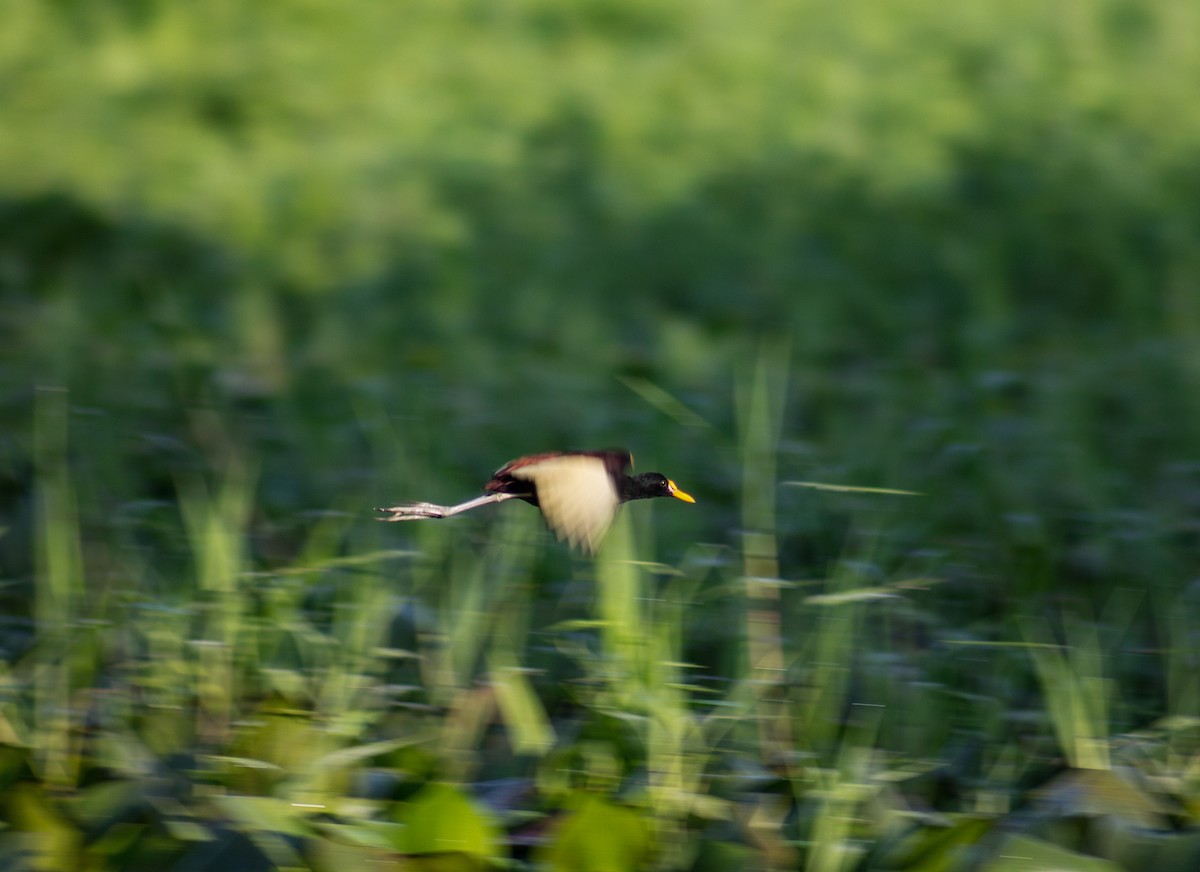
(578, 492)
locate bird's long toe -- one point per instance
(413, 512)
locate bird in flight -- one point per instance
(578, 492)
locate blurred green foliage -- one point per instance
(264, 266)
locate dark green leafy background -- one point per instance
(908, 296)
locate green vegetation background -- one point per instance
(347, 254)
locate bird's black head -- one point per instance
(651, 484)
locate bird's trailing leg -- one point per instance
(420, 511)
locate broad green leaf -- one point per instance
(1025, 854)
(162, 730)
(268, 750)
(104, 800)
(264, 813)
(439, 819)
(932, 848)
(53, 841)
(599, 836)
(445, 863)
(384, 835)
(335, 855)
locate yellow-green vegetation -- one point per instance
(907, 295)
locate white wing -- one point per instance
(576, 495)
